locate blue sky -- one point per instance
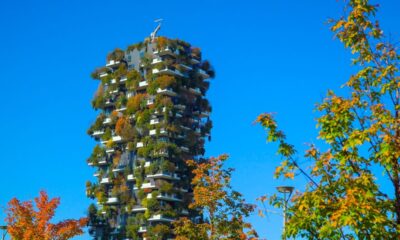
(269, 56)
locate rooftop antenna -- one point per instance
(153, 34)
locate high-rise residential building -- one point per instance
(153, 115)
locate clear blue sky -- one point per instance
(274, 56)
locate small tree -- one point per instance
(362, 131)
(24, 222)
(223, 209)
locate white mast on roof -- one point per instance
(153, 34)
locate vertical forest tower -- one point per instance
(152, 117)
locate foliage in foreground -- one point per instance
(343, 199)
(24, 222)
(223, 208)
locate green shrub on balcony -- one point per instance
(97, 125)
(107, 135)
(166, 187)
(116, 55)
(99, 99)
(134, 103)
(159, 231)
(137, 46)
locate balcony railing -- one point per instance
(160, 218)
(112, 200)
(150, 101)
(156, 60)
(143, 84)
(195, 91)
(185, 149)
(98, 133)
(154, 121)
(104, 74)
(105, 180)
(130, 177)
(148, 185)
(203, 74)
(138, 209)
(142, 229)
(164, 51)
(188, 68)
(165, 175)
(107, 120)
(112, 63)
(154, 132)
(166, 91)
(167, 71)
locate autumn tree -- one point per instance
(24, 222)
(362, 131)
(223, 208)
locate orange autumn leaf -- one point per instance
(24, 222)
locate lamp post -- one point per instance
(4, 228)
(287, 192)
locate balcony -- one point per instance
(203, 74)
(204, 114)
(154, 132)
(138, 209)
(165, 51)
(112, 63)
(156, 60)
(130, 177)
(180, 106)
(97, 133)
(195, 91)
(139, 144)
(164, 175)
(185, 212)
(194, 60)
(148, 185)
(103, 161)
(167, 91)
(142, 229)
(143, 84)
(197, 131)
(161, 153)
(123, 79)
(163, 110)
(105, 180)
(109, 102)
(160, 218)
(122, 109)
(154, 121)
(112, 200)
(186, 67)
(104, 74)
(130, 94)
(184, 149)
(167, 71)
(150, 102)
(107, 120)
(96, 174)
(110, 150)
(185, 128)
(113, 139)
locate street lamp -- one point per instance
(4, 228)
(286, 190)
